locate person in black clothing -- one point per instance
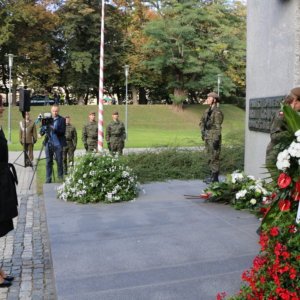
(8, 196)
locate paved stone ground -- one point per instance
(25, 252)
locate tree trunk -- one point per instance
(134, 95)
(179, 97)
(142, 96)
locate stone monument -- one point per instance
(273, 69)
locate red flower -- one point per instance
(284, 205)
(293, 273)
(274, 231)
(221, 296)
(206, 195)
(285, 254)
(264, 210)
(292, 229)
(284, 180)
(296, 193)
(263, 241)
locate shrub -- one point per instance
(96, 177)
(180, 163)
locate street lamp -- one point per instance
(126, 68)
(10, 65)
(219, 83)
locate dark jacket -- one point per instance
(56, 132)
(8, 194)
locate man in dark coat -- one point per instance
(8, 196)
(54, 142)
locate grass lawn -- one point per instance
(148, 125)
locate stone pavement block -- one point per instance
(146, 248)
(26, 248)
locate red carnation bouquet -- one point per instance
(275, 273)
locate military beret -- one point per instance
(115, 113)
(92, 113)
(213, 94)
(296, 91)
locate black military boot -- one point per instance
(215, 177)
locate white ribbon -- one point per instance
(298, 214)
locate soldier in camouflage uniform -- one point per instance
(115, 135)
(279, 131)
(71, 139)
(211, 126)
(90, 133)
(28, 137)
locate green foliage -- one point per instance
(95, 178)
(191, 42)
(178, 164)
(27, 31)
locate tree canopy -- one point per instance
(175, 49)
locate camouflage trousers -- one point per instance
(117, 146)
(68, 157)
(92, 146)
(213, 152)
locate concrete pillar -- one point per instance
(273, 66)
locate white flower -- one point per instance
(297, 133)
(294, 149)
(253, 201)
(241, 194)
(236, 177)
(283, 160)
(251, 177)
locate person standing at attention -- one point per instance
(90, 133)
(115, 135)
(69, 149)
(211, 127)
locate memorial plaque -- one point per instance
(261, 112)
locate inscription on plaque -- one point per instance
(261, 112)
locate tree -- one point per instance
(189, 45)
(26, 30)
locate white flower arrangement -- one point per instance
(293, 151)
(96, 177)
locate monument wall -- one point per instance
(273, 69)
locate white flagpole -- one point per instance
(101, 79)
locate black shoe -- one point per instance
(5, 284)
(9, 278)
(215, 177)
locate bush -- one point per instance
(180, 163)
(96, 177)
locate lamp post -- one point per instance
(10, 65)
(219, 83)
(126, 67)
